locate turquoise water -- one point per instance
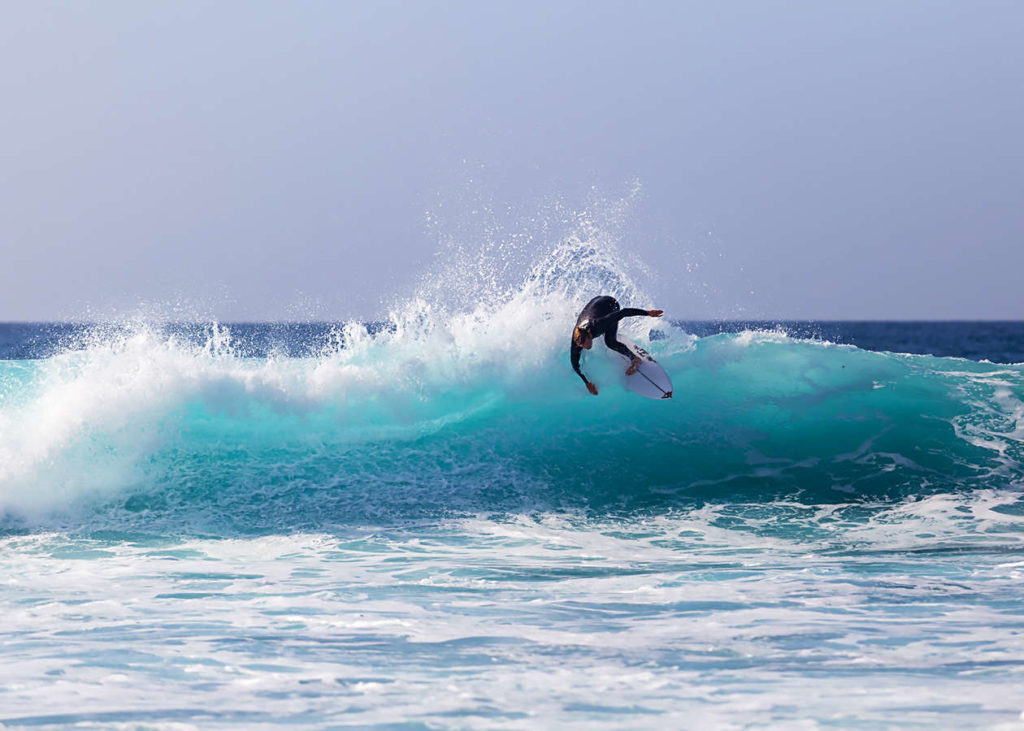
(426, 524)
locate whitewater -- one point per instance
(421, 521)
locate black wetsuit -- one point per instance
(601, 317)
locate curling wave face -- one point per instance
(462, 401)
(432, 416)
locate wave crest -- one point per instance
(468, 404)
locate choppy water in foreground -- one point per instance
(419, 523)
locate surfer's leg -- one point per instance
(612, 341)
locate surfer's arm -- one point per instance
(610, 322)
(636, 312)
(574, 357)
(628, 312)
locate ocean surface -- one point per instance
(427, 523)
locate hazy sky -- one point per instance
(257, 160)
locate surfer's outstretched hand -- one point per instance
(592, 388)
(655, 313)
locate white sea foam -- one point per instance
(715, 615)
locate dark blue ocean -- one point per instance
(421, 523)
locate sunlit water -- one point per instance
(421, 523)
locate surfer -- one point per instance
(601, 317)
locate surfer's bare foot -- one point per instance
(592, 388)
(633, 366)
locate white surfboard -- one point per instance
(650, 379)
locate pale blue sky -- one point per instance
(257, 160)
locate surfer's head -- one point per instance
(582, 337)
